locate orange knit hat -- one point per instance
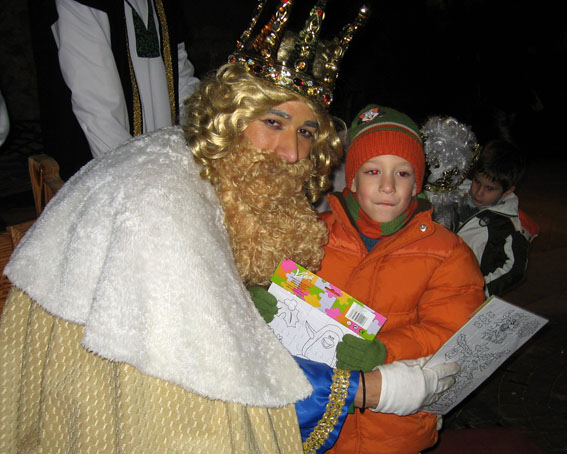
(378, 130)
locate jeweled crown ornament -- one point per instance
(300, 62)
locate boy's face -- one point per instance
(485, 192)
(287, 129)
(384, 186)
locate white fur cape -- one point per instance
(133, 247)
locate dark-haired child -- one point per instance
(489, 219)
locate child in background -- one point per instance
(385, 250)
(490, 221)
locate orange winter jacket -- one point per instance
(426, 281)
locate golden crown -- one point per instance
(299, 62)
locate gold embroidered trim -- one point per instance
(337, 398)
(136, 106)
(167, 58)
(166, 45)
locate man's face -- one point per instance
(261, 193)
(485, 192)
(384, 186)
(287, 130)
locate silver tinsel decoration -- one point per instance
(451, 149)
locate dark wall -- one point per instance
(495, 64)
(17, 69)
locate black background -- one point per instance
(496, 65)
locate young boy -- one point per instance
(490, 221)
(385, 250)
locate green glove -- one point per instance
(265, 302)
(355, 353)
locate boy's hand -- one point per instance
(354, 353)
(265, 302)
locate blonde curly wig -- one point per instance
(228, 100)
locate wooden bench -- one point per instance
(45, 182)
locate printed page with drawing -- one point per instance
(314, 315)
(493, 333)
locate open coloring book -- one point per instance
(492, 334)
(314, 315)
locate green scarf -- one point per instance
(377, 230)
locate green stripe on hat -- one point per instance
(379, 130)
(374, 114)
(388, 126)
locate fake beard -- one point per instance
(267, 214)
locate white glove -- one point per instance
(408, 385)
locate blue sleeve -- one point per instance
(322, 415)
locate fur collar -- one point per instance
(133, 247)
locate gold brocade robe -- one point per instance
(56, 397)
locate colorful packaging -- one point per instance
(314, 315)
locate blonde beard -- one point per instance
(267, 214)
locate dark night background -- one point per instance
(497, 65)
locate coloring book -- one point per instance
(492, 334)
(314, 315)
